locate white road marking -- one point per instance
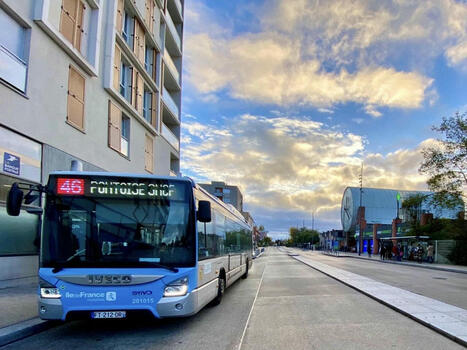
(251, 310)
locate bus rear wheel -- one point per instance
(245, 275)
(220, 291)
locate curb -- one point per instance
(395, 308)
(447, 269)
(20, 330)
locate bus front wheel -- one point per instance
(220, 290)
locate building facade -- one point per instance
(381, 215)
(227, 194)
(89, 80)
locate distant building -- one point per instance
(382, 214)
(249, 219)
(227, 194)
(332, 239)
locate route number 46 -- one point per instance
(70, 186)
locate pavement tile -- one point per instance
(415, 309)
(458, 329)
(434, 317)
(459, 315)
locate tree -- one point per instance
(412, 206)
(446, 162)
(303, 235)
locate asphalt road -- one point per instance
(448, 287)
(283, 304)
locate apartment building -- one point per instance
(98, 81)
(226, 193)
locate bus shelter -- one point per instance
(406, 243)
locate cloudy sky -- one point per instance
(287, 98)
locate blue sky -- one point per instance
(286, 98)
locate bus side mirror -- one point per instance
(14, 200)
(204, 211)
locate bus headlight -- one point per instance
(48, 290)
(50, 293)
(177, 289)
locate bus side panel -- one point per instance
(208, 273)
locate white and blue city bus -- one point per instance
(117, 244)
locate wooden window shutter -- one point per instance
(68, 19)
(115, 126)
(136, 38)
(154, 111)
(151, 16)
(75, 103)
(79, 25)
(139, 93)
(120, 11)
(147, 15)
(140, 42)
(149, 154)
(117, 68)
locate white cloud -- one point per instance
(285, 164)
(325, 110)
(284, 63)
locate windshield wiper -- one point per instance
(78, 252)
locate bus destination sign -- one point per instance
(118, 188)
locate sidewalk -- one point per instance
(364, 256)
(18, 302)
(446, 319)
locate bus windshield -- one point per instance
(117, 223)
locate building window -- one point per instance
(147, 107)
(119, 130)
(149, 60)
(75, 102)
(71, 21)
(219, 190)
(125, 141)
(126, 73)
(149, 154)
(13, 66)
(128, 28)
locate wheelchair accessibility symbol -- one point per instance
(111, 296)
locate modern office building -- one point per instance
(89, 80)
(227, 194)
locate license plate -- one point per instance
(108, 314)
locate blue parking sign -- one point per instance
(11, 163)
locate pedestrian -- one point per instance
(419, 253)
(369, 249)
(382, 251)
(429, 253)
(399, 252)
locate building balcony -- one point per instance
(175, 9)
(173, 42)
(171, 67)
(170, 104)
(170, 137)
